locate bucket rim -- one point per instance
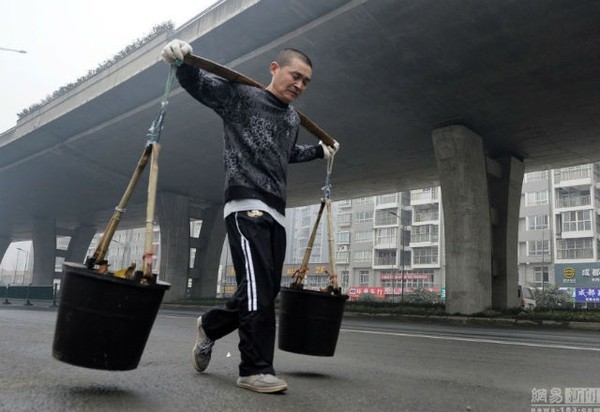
(82, 270)
(315, 293)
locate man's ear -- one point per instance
(273, 68)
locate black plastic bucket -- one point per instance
(309, 321)
(103, 321)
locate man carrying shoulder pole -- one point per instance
(260, 139)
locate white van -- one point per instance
(526, 298)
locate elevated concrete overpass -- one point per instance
(463, 93)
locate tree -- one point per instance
(552, 297)
(423, 296)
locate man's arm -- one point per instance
(210, 90)
(305, 153)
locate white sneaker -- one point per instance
(202, 348)
(263, 383)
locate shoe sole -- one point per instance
(273, 389)
(197, 366)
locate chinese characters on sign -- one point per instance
(375, 291)
(587, 295)
(577, 275)
(565, 399)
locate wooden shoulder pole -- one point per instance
(236, 77)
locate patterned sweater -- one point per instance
(260, 135)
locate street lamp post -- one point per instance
(26, 262)
(16, 266)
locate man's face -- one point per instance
(288, 82)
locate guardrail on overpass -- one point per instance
(28, 293)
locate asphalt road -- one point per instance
(379, 365)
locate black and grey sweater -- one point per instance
(260, 136)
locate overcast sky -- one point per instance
(64, 39)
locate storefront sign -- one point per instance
(577, 275)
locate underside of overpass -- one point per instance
(462, 93)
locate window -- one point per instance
(344, 203)
(538, 247)
(574, 248)
(385, 257)
(363, 237)
(540, 274)
(344, 219)
(342, 256)
(363, 256)
(363, 201)
(425, 255)
(572, 173)
(426, 215)
(537, 222)
(386, 236)
(537, 198)
(424, 195)
(537, 176)
(576, 221)
(342, 238)
(426, 233)
(418, 280)
(364, 278)
(386, 217)
(383, 199)
(572, 197)
(345, 278)
(363, 217)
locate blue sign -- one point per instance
(577, 275)
(587, 295)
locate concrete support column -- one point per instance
(208, 252)
(462, 169)
(80, 243)
(44, 247)
(174, 219)
(505, 179)
(5, 242)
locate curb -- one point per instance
(450, 319)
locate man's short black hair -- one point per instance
(285, 56)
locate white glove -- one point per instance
(175, 50)
(329, 151)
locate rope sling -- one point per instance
(150, 153)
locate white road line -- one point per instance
(491, 341)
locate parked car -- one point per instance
(526, 298)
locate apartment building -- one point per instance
(559, 231)
(384, 245)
